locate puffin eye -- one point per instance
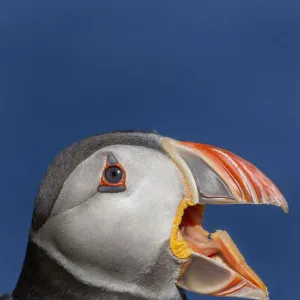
(113, 178)
(114, 174)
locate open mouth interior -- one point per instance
(214, 246)
(195, 236)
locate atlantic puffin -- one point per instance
(119, 216)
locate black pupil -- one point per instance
(114, 174)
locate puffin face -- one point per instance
(112, 235)
(127, 215)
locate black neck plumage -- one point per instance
(43, 279)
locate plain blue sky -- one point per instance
(219, 72)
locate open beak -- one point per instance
(213, 264)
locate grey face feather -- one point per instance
(67, 160)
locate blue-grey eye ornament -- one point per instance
(113, 178)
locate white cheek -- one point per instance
(81, 184)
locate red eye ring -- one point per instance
(106, 182)
(113, 179)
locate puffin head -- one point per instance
(123, 212)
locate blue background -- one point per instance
(220, 72)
